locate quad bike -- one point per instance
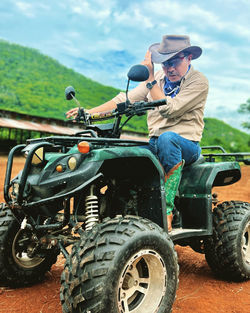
(100, 201)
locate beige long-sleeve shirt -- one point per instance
(182, 114)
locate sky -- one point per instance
(103, 39)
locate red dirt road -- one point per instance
(199, 291)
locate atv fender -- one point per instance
(195, 191)
(137, 169)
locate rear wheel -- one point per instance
(17, 266)
(124, 265)
(228, 251)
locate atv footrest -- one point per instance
(181, 233)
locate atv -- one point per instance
(100, 201)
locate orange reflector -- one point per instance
(83, 147)
(59, 168)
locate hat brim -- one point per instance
(157, 57)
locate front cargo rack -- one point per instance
(70, 141)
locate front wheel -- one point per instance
(124, 265)
(228, 251)
(17, 267)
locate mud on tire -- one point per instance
(228, 251)
(16, 269)
(121, 265)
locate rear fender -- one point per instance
(199, 179)
(195, 191)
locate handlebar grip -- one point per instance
(158, 103)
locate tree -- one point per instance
(245, 108)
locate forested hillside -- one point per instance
(218, 133)
(33, 83)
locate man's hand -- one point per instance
(156, 92)
(148, 62)
(72, 113)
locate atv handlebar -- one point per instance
(124, 108)
(140, 107)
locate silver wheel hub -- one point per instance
(142, 284)
(21, 257)
(246, 244)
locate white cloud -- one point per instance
(203, 19)
(108, 44)
(79, 6)
(26, 8)
(179, 12)
(121, 17)
(223, 103)
(132, 18)
(142, 19)
(240, 30)
(32, 8)
(91, 9)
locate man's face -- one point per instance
(176, 67)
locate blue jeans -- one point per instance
(171, 149)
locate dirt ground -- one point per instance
(199, 291)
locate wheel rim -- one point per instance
(246, 244)
(21, 257)
(142, 284)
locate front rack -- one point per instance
(70, 141)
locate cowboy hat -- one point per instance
(172, 45)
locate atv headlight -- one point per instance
(72, 162)
(38, 156)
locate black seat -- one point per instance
(200, 160)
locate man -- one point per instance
(175, 129)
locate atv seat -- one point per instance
(200, 160)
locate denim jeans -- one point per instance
(171, 149)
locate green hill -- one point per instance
(34, 84)
(218, 133)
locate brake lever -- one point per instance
(82, 116)
(138, 108)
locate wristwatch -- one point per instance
(150, 85)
